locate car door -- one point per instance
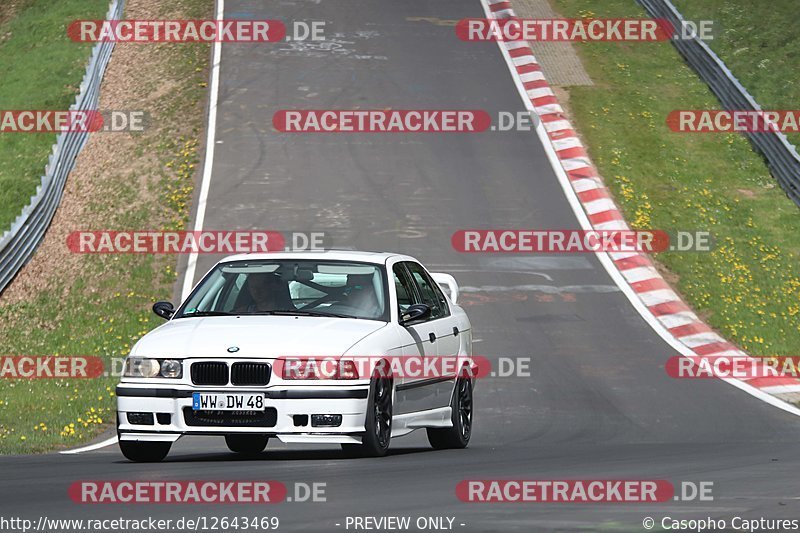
(430, 392)
(414, 339)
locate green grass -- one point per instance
(758, 41)
(41, 69)
(102, 309)
(749, 287)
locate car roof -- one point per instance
(378, 258)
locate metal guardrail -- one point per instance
(19, 243)
(780, 154)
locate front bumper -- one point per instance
(288, 414)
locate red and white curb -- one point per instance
(666, 309)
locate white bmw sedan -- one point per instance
(342, 347)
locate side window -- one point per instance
(430, 291)
(404, 289)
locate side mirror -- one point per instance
(164, 309)
(415, 313)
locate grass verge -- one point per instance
(42, 69)
(68, 304)
(757, 40)
(748, 288)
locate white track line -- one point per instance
(191, 265)
(92, 447)
(603, 257)
(203, 199)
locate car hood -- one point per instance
(254, 336)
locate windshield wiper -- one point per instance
(300, 312)
(206, 313)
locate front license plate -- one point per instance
(213, 401)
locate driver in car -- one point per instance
(267, 292)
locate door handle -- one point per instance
(455, 331)
(432, 336)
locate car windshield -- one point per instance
(291, 287)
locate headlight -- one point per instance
(170, 368)
(139, 367)
(136, 367)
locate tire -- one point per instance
(456, 437)
(378, 424)
(144, 452)
(246, 444)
